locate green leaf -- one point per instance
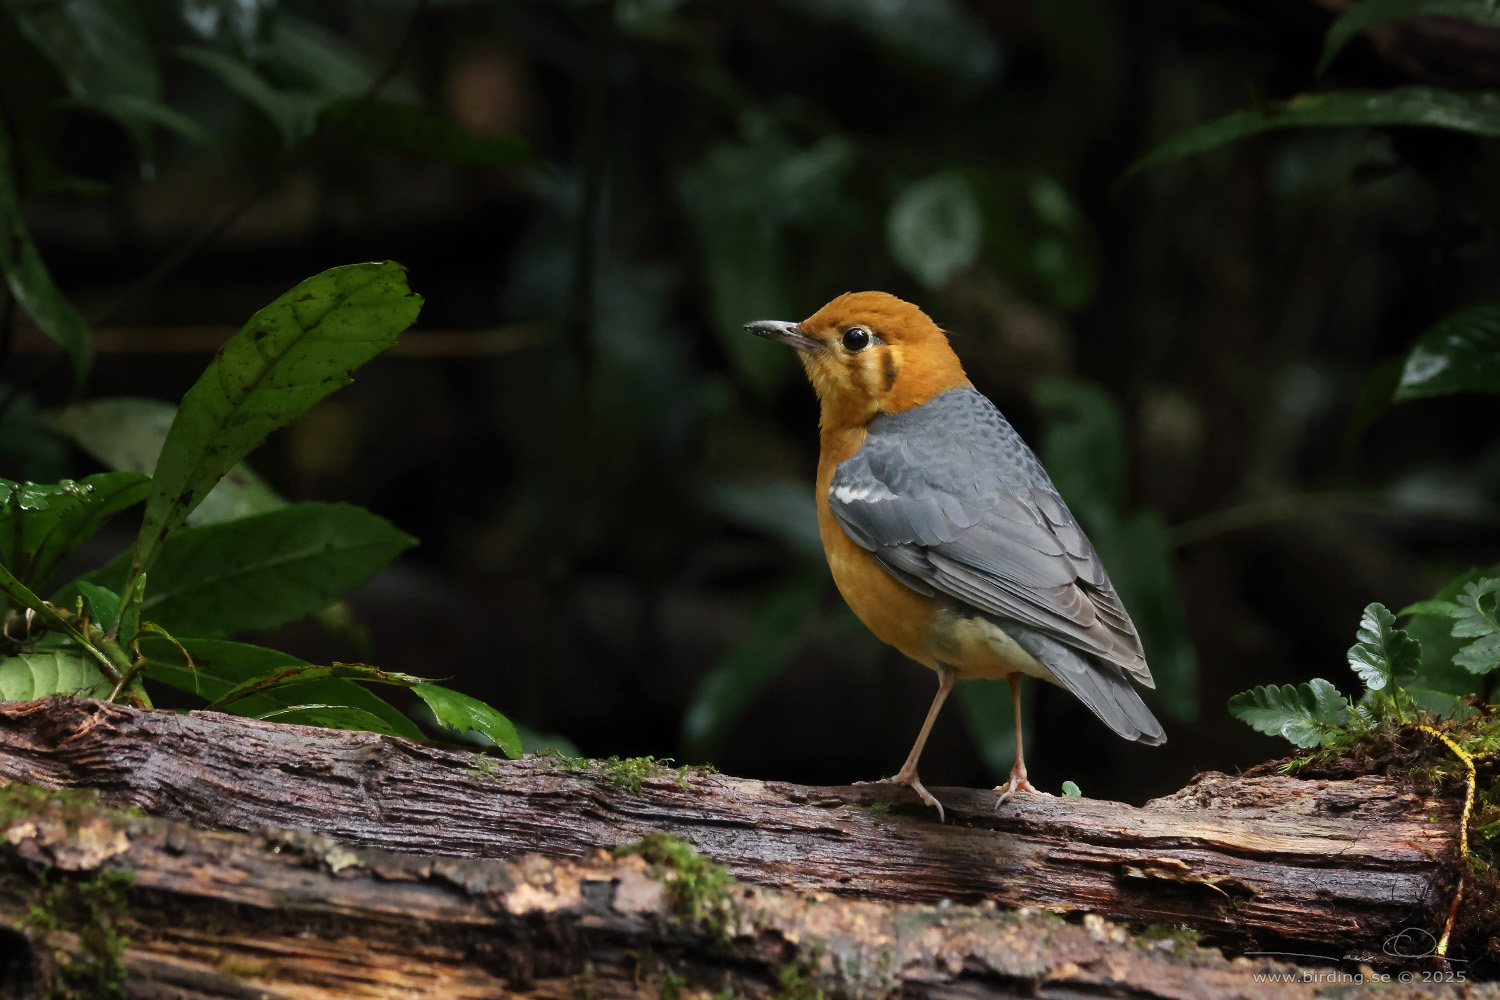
(1304, 714)
(221, 665)
(1473, 618)
(316, 60)
(1369, 13)
(934, 229)
(29, 280)
(261, 571)
(37, 675)
(461, 714)
(1071, 790)
(42, 524)
(332, 717)
(773, 637)
(1433, 607)
(294, 113)
(304, 673)
(421, 133)
(17, 591)
(1432, 625)
(290, 355)
(1475, 112)
(1480, 656)
(104, 606)
(101, 50)
(1384, 656)
(1476, 616)
(1459, 354)
(127, 434)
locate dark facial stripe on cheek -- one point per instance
(888, 369)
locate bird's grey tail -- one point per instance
(1102, 686)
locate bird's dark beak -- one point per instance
(784, 333)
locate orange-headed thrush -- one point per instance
(943, 531)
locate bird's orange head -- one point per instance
(867, 353)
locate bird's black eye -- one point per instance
(856, 338)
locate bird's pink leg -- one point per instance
(1018, 782)
(908, 773)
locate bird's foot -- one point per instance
(910, 779)
(1017, 783)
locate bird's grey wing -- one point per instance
(952, 501)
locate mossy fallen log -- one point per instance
(145, 907)
(1352, 871)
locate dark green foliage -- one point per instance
(219, 665)
(46, 522)
(28, 278)
(1460, 354)
(1477, 113)
(1398, 672)
(291, 354)
(1369, 13)
(261, 571)
(1305, 714)
(117, 626)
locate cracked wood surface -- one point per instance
(1270, 863)
(292, 916)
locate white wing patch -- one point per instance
(869, 492)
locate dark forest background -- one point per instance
(612, 483)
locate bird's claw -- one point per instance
(910, 779)
(1017, 783)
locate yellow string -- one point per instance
(1463, 834)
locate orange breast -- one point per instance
(896, 614)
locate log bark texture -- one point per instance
(291, 916)
(1333, 868)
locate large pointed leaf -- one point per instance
(1385, 656)
(41, 524)
(1460, 354)
(219, 665)
(1476, 112)
(29, 280)
(37, 675)
(290, 355)
(262, 571)
(1304, 714)
(126, 433)
(461, 713)
(1369, 13)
